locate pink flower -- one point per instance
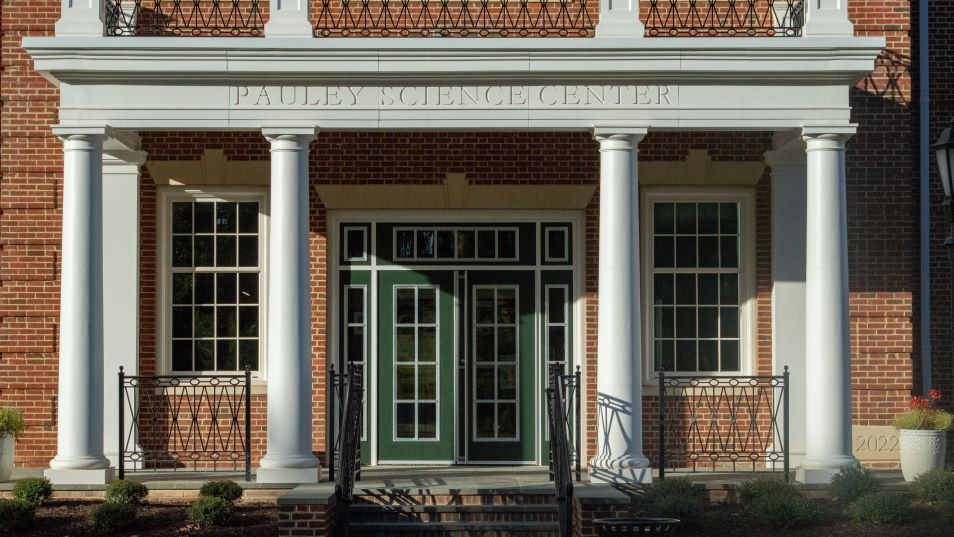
(935, 394)
(919, 403)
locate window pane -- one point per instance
(665, 355)
(663, 218)
(404, 418)
(204, 360)
(182, 355)
(708, 323)
(204, 217)
(686, 356)
(506, 244)
(248, 217)
(248, 251)
(664, 322)
(182, 217)
(182, 288)
(729, 289)
(204, 250)
(355, 305)
(729, 320)
(708, 218)
(445, 244)
(354, 239)
(404, 306)
(485, 420)
(182, 322)
(730, 252)
(663, 288)
(405, 382)
(685, 322)
(248, 288)
(485, 306)
(248, 321)
(227, 357)
(226, 321)
(506, 343)
(248, 354)
(426, 420)
(225, 251)
(204, 288)
(427, 344)
(556, 243)
(708, 356)
(686, 218)
(556, 305)
(182, 251)
(404, 344)
(708, 288)
(204, 319)
(664, 252)
(730, 356)
(426, 382)
(685, 252)
(465, 244)
(484, 347)
(556, 343)
(728, 218)
(685, 289)
(708, 252)
(507, 382)
(506, 420)
(484, 382)
(486, 244)
(225, 286)
(405, 244)
(427, 306)
(225, 214)
(506, 306)
(425, 244)
(355, 344)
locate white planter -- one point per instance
(921, 451)
(6, 456)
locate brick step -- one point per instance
(454, 513)
(456, 529)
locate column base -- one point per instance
(62, 476)
(628, 472)
(288, 475)
(821, 471)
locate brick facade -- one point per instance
(882, 220)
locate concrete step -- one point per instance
(456, 529)
(454, 513)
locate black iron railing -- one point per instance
(225, 18)
(170, 422)
(725, 18)
(557, 412)
(456, 18)
(338, 385)
(349, 446)
(572, 417)
(723, 423)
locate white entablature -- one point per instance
(489, 84)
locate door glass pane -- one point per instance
(427, 305)
(404, 418)
(426, 382)
(506, 420)
(484, 344)
(405, 382)
(427, 344)
(506, 343)
(404, 306)
(485, 420)
(404, 344)
(484, 383)
(355, 344)
(507, 382)
(557, 343)
(485, 306)
(427, 420)
(506, 306)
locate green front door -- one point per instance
(500, 367)
(416, 366)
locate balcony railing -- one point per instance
(456, 18)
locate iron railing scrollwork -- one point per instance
(557, 412)
(219, 18)
(177, 421)
(572, 417)
(723, 423)
(725, 18)
(456, 18)
(348, 443)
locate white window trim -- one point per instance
(167, 195)
(745, 197)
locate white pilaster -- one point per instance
(619, 454)
(788, 169)
(288, 18)
(79, 436)
(81, 18)
(827, 329)
(827, 17)
(288, 457)
(121, 171)
(619, 18)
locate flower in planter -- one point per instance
(923, 414)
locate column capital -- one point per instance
(840, 133)
(299, 135)
(627, 133)
(89, 132)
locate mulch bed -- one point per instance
(70, 518)
(730, 520)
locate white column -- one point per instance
(788, 283)
(827, 330)
(81, 18)
(79, 436)
(827, 18)
(619, 454)
(288, 457)
(619, 18)
(121, 171)
(288, 18)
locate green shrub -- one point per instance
(675, 497)
(934, 485)
(748, 491)
(853, 482)
(33, 490)
(11, 422)
(783, 508)
(112, 517)
(210, 511)
(227, 490)
(881, 508)
(124, 491)
(15, 514)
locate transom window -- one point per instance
(456, 243)
(696, 286)
(215, 285)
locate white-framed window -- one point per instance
(212, 281)
(698, 280)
